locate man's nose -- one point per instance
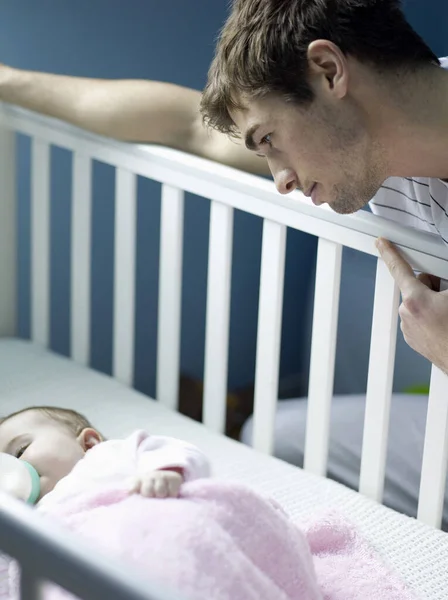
(286, 181)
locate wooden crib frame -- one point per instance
(227, 189)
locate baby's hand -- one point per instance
(158, 484)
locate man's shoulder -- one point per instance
(419, 202)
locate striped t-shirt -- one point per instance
(420, 202)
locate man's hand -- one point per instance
(424, 310)
(157, 484)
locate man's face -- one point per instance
(323, 149)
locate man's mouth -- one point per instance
(310, 191)
(314, 195)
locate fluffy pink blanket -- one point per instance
(222, 541)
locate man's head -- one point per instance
(303, 82)
(51, 439)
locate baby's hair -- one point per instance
(71, 419)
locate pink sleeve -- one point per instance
(157, 452)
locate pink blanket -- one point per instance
(222, 541)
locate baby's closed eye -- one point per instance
(21, 449)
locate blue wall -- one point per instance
(174, 42)
(430, 19)
(142, 39)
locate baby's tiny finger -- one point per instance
(174, 487)
(160, 487)
(147, 488)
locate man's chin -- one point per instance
(344, 210)
(347, 208)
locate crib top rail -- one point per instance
(425, 251)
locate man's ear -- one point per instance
(328, 65)
(88, 438)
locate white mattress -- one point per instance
(30, 375)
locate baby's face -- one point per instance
(44, 443)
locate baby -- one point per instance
(219, 540)
(58, 442)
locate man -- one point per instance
(347, 103)
(339, 96)
(344, 95)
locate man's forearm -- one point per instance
(54, 95)
(129, 110)
(133, 110)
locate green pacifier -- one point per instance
(19, 479)
(35, 483)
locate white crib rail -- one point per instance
(269, 330)
(124, 276)
(229, 189)
(218, 316)
(323, 352)
(170, 295)
(8, 283)
(80, 258)
(40, 239)
(379, 385)
(435, 457)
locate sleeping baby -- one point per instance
(58, 442)
(149, 501)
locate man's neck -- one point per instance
(414, 126)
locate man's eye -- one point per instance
(266, 139)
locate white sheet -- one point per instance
(30, 375)
(407, 428)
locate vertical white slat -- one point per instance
(8, 234)
(269, 335)
(323, 353)
(40, 242)
(218, 316)
(170, 296)
(379, 385)
(435, 455)
(124, 275)
(81, 258)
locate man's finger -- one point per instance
(400, 270)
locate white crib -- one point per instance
(29, 370)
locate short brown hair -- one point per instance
(74, 421)
(263, 48)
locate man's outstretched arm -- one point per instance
(128, 110)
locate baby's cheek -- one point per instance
(61, 466)
(46, 486)
(50, 475)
